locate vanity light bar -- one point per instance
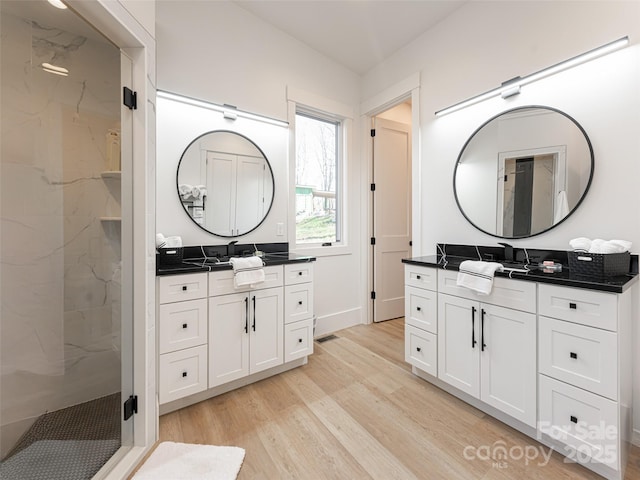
(228, 111)
(512, 87)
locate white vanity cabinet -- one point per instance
(489, 351)
(182, 336)
(585, 364)
(421, 318)
(298, 311)
(245, 334)
(214, 337)
(554, 362)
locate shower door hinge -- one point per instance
(373, 295)
(373, 187)
(373, 240)
(373, 132)
(130, 407)
(129, 98)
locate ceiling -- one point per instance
(358, 34)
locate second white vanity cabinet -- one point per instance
(489, 351)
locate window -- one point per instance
(317, 179)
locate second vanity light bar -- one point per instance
(512, 87)
(228, 111)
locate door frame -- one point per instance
(402, 91)
(114, 21)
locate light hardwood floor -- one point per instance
(356, 412)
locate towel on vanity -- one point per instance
(477, 276)
(247, 271)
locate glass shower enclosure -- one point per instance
(65, 246)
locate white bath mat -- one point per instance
(184, 461)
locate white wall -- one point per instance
(218, 52)
(485, 43)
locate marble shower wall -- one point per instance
(59, 263)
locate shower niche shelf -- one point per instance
(116, 174)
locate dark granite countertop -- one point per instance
(617, 284)
(201, 264)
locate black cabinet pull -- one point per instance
(419, 349)
(418, 277)
(299, 302)
(246, 314)
(483, 345)
(573, 355)
(473, 327)
(299, 274)
(299, 340)
(573, 419)
(572, 306)
(253, 300)
(184, 288)
(184, 374)
(184, 325)
(419, 309)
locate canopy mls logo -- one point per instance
(499, 454)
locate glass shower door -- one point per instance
(65, 246)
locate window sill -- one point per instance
(317, 251)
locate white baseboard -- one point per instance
(337, 321)
(635, 438)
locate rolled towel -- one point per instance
(247, 271)
(203, 190)
(597, 246)
(185, 189)
(174, 242)
(195, 192)
(161, 242)
(477, 276)
(624, 244)
(580, 243)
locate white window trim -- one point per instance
(309, 103)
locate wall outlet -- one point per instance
(280, 229)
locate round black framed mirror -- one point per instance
(523, 172)
(225, 183)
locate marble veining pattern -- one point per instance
(60, 265)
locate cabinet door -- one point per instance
(458, 343)
(508, 361)
(229, 321)
(266, 330)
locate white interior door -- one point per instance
(391, 216)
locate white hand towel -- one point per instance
(247, 271)
(477, 276)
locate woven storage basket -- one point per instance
(599, 265)
(171, 256)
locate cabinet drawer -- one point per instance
(298, 340)
(221, 282)
(298, 302)
(182, 325)
(595, 309)
(582, 356)
(582, 420)
(517, 294)
(175, 288)
(182, 373)
(421, 309)
(421, 349)
(298, 273)
(421, 277)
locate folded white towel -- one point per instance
(247, 271)
(477, 276)
(600, 246)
